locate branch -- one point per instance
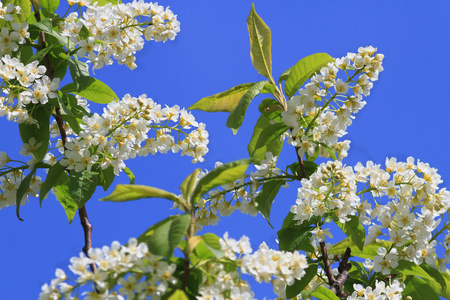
(300, 162)
(326, 263)
(87, 228)
(336, 284)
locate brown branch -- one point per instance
(326, 263)
(300, 162)
(87, 228)
(336, 284)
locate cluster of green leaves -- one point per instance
(176, 231)
(269, 129)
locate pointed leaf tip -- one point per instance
(260, 44)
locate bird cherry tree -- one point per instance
(397, 243)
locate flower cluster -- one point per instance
(138, 273)
(284, 266)
(277, 267)
(325, 107)
(243, 194)
(11, 39)
(118, 135)
(393, 291)
(23, 84)
(407, 218)
(220, 284)
(118, 31)
(413, 210)
(331, 188)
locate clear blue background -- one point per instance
(406, 115)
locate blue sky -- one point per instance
(406, 115)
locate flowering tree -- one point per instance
(393, 216)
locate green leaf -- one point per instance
(212, 241)
(208, 247)
(24, 53)
(294, 237)
(266, 196)
(291, 239)
(324, 294)
(369, 251)
(353, 229)
(40, 131)
(289, 221)
(272, 132)
(49, 6)
(271, 109)
(224, 101)
(46, 26)
(94, 90)
(310, 168)
(257, 152)
(284, 76)
(130, 175)
(84, 33)
(226, 173)
(129, 192)
(23, 188)
(54, 173)
(442, 289)
(80, 76)
(39, 55)
(426, 272)
(63, 196)
(106, 177)
(329, 150)
(178, 295)
(189, 184)
(104, 2)
(303, 70)
(299, 285)
(59, 61)
(236, 117)
(359, 272)
(82, 186)
(260, 44)
(67, 114)
(418, 289)
(163, 237)
(436, 276)
(268, 88)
